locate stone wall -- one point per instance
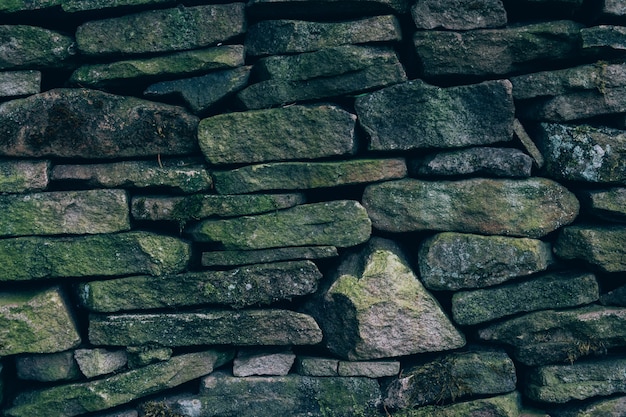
(312, 208)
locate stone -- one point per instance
(73, 6)
(166, 30)
(490, 52)
(269, 327)
(528, 144)
(277, 37)
(81, 123)
(416, 115)
(552, 336)
(341, 223)
(248, 257)
(604, 37)
(21, 5)
(83, 397)
(370, 369)
(613, 407)
(315, 366)
(508, 405)
(555, 290)
(579, 381)
(96, 362)
(47, 367)
(36, 321)
(139, 356)
(531, 207)
(263, 362)
(22, 176)
(614, 8)
(458, 15)
(260, 284)
(617, 297)
(609, 204)
(33, 258)
(377, 308)
(452, 377)
(583, 153)
(64, 212)
(270, 8)
(601, 246)
(482, 161)
(576, 106)
(19, 83)
(307, 175)
(183, 176)
(295, 132)
(31, 47)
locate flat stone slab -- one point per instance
(607, 204)
(527, 208)
(370, 369)
(19, 83)
(72, 6)
(458, 15)
(268, 8)
(275, 362)
(602, 246)
(316, 366)
(248, 257)
(47, 367)
(508, 405)
(33, 47)
(217, 327)
(22, 176)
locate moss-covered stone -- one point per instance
(19, 83)
(601, 246)
(455, 15)
(502, 406)
(47, 367)
(609, 204)
(270, 8)
(248, 257)
(23, 176)
(31, 47)
(598, 408)
(96, 362)
(10, 6)
(72, 6)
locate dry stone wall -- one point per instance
(312, 208)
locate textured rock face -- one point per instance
(458, 15)
(602, 247)
(47, 367)
(500, 406)
(33, 47)
(23, 176)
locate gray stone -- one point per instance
(48, 367)
(263, 362)
(248, 257)
(575, 106)
(617, 297)
(604, 37)
(19, 83)
(556, 290)
(31, 47)
(612, 407)
(268, 327)
(370, 369)
(72, 6)
(1, 383)
(341, 223)
(81, 123)
(313, 366)
(528, 144)
(458, 15)
(377, 308)
(531, 207)
(276, 37)
(96, 362)
(508, 405)
(609, 204)
(295, 132)
(21, 176)
(615, 8)
(64, 212)
(416, 115)
(175, 29)
(307, 175)
(139, 356)
(22, 5)
(602, 246)
(36, 321)
(269, 8)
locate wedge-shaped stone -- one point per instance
(22, 5)
(248, 257)
(19, 83)
(72, 6)
(20, 176)
(557, 290)
(527, 208)
(295, 132)
(307, 175)
(79, 398)
(488, 52)
(31, 47)
(47, 367)
(175, 29)
(502, 406)
(579, 381)
(601, 246)
(37, 321)
(80, 123)
(607, 204)
(64, 212)
(418, 115)
(376, 308)
(341, 223)
(275, 37)
(30, 258)
(96, 362)
(552, 336)
(216, 327)
(458, 15)
(599, 408)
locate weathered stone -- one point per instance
(557, 290)
(295, 132)
(80, 123)
(376, 308)
(48, 367)
(314, 366)
(275, 37)
(527, 143)
(175, 29)
(257, 284)
(119, 413)
(488, 52)
(307, 175)
(607, 204)
(370, 369)
(19, 83)
(145, 70)
(528, 208)
(341, 223)
(96, 362)
(604, 37)
(552, 336)
(458, 15)
(579, 381)
(575, 106)
(19, 176)
(28, 258)
(617, 297)
(270, 8)
(263, 362)
(502, 406)
(37, 321)
(248, 257)
(614, 8)
(418, 115)
(186, 176)
(613, 407)
(78, 398)
(31, 47)
(601, 246)
(487, 161)
(1, 384)
(450, 377)
(215, 327)
(64, 212)
(22, 5)
(139, 356)
(72, 6)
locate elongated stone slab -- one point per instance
(604, 37)
(64, 212)
(598, 408)
(526, 208)
(72, 6)
(577, 105)
(36, 321)
(269, 8)
(509, 405)
(455, 15)
(248, 257)
(31, 258)
(21, 5)
(340, 223)
(607, 204)
(221, 327)
(601, 246)
(31, 47)
(20, 176)
(19, 83)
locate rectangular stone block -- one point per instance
(369, 369)
(22, 176)
(19, 83)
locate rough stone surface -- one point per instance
(614, 8)
(23, 176)
(19, 83)
(612, 407)
(576, 106)
(276, 362)
(47, 367)
(316, 366)
(528, 144)
(31, 47)
(72, 6)
(370, 369)
(527, 208)
(268, 8)
(602, 246)
(502, 406)
(21, 5)
(416, 115)
(248, 257)
(617, 297)
(139, 356)
(458, 15)
(604, 36)
(609, 204)
(96, 362)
